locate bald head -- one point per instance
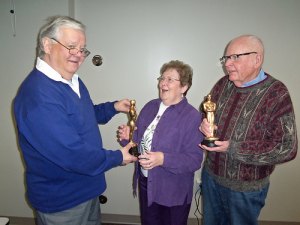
(244, 58)
(247, 43)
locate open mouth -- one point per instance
(164, 90)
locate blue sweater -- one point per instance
(61, 144)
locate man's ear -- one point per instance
(258, 60)
(47, 44)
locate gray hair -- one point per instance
(184, 70)
(52, 28)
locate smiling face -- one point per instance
(170, 89)
(59, 58)
(246, 67)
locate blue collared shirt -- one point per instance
(261, 76)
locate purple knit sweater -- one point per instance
(260, 123)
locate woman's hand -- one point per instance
(123, 132)
(149, 160)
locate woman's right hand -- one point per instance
(123, 132)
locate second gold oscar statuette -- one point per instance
(209, 107)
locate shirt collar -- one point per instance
(46, 69)
(179, 106)
(261, 76)
(42, 66)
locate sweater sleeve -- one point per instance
(104, 112)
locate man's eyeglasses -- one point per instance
(73, 50)
(169, 80)
(234, 57)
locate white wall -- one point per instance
(135, 37)
(17, 56)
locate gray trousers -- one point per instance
(87, 213)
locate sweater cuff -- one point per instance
(112, 108)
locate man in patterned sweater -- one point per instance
(256, 125)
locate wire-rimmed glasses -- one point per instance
(169, 80)
(73, 50)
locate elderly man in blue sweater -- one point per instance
(58, 130)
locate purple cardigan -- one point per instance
(177, 136)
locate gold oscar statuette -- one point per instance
(132, 119)
(209, 108)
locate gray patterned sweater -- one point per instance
(260, 123)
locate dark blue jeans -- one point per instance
(223, 206)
